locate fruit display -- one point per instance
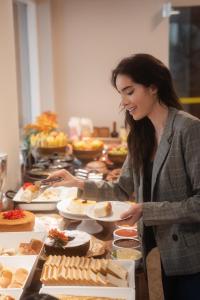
(44, 133)
(118, 150)
(87, 149)
(88, 144)
(53, 139)
(117, 154)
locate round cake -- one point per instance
(69, 243)
(16, 220)
(78, 206)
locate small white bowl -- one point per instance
(125, 233)
(128, 253)
(126, 243)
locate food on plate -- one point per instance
(11, 279)
(49, 194)
(78, 206)
(68, 297)
(16, 220)
(29, 192)
(76, 270)
(5, 278)
(72, 243)
(31, 248)
(103, 209)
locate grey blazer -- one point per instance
(174, 204)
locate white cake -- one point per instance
(78, 206)
(103, 209)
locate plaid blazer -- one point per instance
(174, 204)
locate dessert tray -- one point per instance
(46, 200)
(118, 208)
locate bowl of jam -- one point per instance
(126, 243)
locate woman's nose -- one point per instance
(124, 101)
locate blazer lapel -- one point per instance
(163, 148)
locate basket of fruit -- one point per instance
(45, 143)
(117, 154)
(87, 149)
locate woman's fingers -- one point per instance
(128, 213)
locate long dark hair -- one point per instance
(146, 70)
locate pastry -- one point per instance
(16, 220)
(30, 191)
(78, 206)
(72, 243)
(103, 209)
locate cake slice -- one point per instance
(103, 209)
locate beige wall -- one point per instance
(9, 141)
(89, 38)
(185, 2)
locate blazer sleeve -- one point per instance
(121, 190)
(187, 210)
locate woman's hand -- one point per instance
(67, 179)
(132, 215)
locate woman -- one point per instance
(162, 169)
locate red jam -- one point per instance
(13, 214)
(126, 233)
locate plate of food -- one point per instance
(30, 197)
(75, 208)
(107, 211)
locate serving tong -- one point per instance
(46, 183)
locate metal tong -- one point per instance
(45, 183)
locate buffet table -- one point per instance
(106, 236)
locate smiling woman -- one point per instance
(162, 169)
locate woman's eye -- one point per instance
(130, 93)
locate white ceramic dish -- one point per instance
(25, 261)
(135, 242)
(80, 237)
(13, 239)
(15, 293)
(118, 208)
(45, 204)
(132, 233)
(130, 267)
(63, 208)
(131, 254)
(112, 292)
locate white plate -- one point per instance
(39, 204)
(25, 261)
(80, 237)
(118, 208)
(111, 292)
(63, 208)
(130, 267)
(60, 194)
(15, 293)
(15, 238)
